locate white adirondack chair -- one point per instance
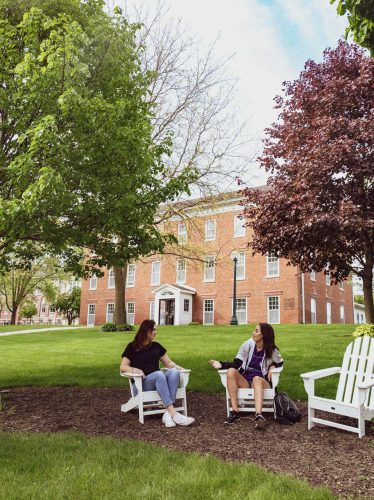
(246, 402)
(148, 402)
(355, 394)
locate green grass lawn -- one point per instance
(14, 328)
(87, 357)
(67, 466)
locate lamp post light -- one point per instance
(234, 319)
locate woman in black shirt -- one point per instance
(142, 356)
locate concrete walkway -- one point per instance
(36, 330)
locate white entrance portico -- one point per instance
(173, 304)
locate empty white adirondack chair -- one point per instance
(246, 402)
(148, 402)
(355, 394)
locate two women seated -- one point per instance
(252, 367)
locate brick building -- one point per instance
(195, 281)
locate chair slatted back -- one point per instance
(358, 367)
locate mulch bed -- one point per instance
(323, 456)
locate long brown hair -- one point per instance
(268, 338)
(141, 336)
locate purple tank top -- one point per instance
(254, 367)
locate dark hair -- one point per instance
(141, 336)
(268, 338)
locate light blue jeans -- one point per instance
(165, 383)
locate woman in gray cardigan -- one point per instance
(251, 367)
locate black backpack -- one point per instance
(285, 410)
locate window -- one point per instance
(155, 273)
(208, 318)
(239, 228)
(273, 310)
(130, 280)
(43, 308)
(181, 271)
(272, 266)
(130, 310)
(52, 309)
(111, 282)
(93, 282)
(328, 313)
(240, 266)
(91, 314)
(209, 268)
(152, 306)
(341, 285)
(241, 311)
(186, 305)
(342, 313)
(312, 275)
(313, 311)
(210, 230)
(327, 277)
(109, 313)
(182, 233)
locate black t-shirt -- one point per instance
(146, 359)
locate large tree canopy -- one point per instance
(319, 208)
(360, 20)
(78, 163)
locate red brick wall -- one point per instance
(255, 288)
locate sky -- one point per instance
(270, 41)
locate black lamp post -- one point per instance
(234, 319)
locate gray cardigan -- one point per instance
(244, 356)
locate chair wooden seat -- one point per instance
(148, 402)
(355, 394)
(246, 402)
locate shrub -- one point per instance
(108, 327)
(364, 330)
(125, 328)
(194, 323)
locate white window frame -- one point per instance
(342, 316)
(312, 276)
(130, 316)
(341, 285)
(181, 271)
(313, 311)
(272, 266)
(210, 230)
(93, 282)
(91, 314)
(239, 228)
(327, 278)
(210, 312)
(182, 233)
(271, 319)
(242, 318)
(155, 277)
(130, 277)
(328, 313)
(188, 302)
(111, 281)
(109, 317)
(152, 309)
(210, 270)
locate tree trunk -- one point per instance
(120, 275)
(14, 315)
(367, 281)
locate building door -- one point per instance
(167, 312)
(91, 315)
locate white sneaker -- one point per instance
(183, 419)
(168, 420)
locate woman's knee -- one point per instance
(231, 372)
(257, 382)
(173, 373)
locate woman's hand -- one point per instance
(216, 364)
(137, 371)
(270, 374)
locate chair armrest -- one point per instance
(131, 375)
(321, 373)
(183, 370)
(366, 385)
